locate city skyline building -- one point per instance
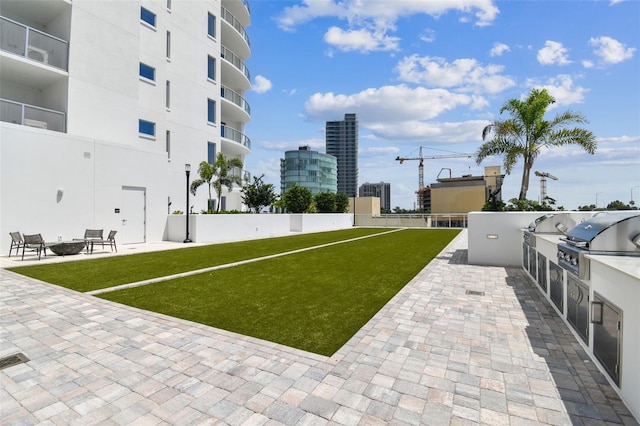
(341, 139)
(381, 190)
(108, 102)
(310, 169)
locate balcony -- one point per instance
(33, 116)
(242, 174)
(234, 35)
(236, 136)
(32, 44)
(240, 9)
(230, 112)
(234, 71)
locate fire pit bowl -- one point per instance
(64, 248)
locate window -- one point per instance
(211, 111)
(211, 26)
(211, 153)
(148, 16)
(146, 128)
(211, 68)
(147, 72)
(168, 44)
(167, 95)
(167, 144)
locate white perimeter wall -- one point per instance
(495, 238)
(36, 163)
(219, 228)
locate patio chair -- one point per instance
(16, 242)
(110, 241)
(34, 243)
(93, 236)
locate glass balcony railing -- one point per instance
(32, 44)
(33, 116)
(230, 57)
(228, 16)
(242, 174)
(233, 96)
(235, 135)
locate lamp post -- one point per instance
(187, 170)
(632, 194)
(354, 209)
(597, 193)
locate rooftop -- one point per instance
(460, 344)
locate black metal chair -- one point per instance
(16, 242)
(34, 243)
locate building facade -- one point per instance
(466, 193)
(341, 138)
(381, 190)
(310, 169)
(104, 103)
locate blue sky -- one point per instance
(433, 74)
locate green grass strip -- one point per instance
(94, 274)
(314, 300)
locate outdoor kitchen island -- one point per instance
(598, 295)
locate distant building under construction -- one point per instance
(463, 194)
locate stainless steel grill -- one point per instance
(609, 233)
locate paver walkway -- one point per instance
(433, 355)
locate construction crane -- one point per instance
(543, 184)
(421, 158)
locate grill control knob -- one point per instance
(574, 261)
(559, 255)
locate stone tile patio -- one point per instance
(433, 355)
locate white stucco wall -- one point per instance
(495, 238)
(219, 228)
(37, 163)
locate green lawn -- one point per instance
(88, 275)
(314, 300)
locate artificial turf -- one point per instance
(88, 275)
(314, 300)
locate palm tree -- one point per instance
(217, 175)
(526, 132)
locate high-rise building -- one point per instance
(310, 169)
(342, 142)
(381, 190)
(104, 103)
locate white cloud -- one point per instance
(362, 40)
(611, 50)
(386, 104)
(552, 53)
(431, 132)
(562, 89)
(383, 12)
(464, 74)
(428, 36)
(614, 2)
(378, 151)
(261, 84)
(498, 49)
(588, 64)
(282, 146)
(370, 22)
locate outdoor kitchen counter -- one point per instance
(629, 265)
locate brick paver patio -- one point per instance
(433, 355)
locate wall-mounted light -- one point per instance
(492, 236)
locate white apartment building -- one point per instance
(102, 103)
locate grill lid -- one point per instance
(607, 231)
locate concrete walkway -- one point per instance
(433, 355)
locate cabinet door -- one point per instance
(542, 271)
(607, 337)
(556, 285)
(578, 307)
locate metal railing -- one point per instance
(245, 175)
(452, 220)
(235, 135)
(228, 16)
(30, 115)
(233, 96)
(33, 44)
(234, 60)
